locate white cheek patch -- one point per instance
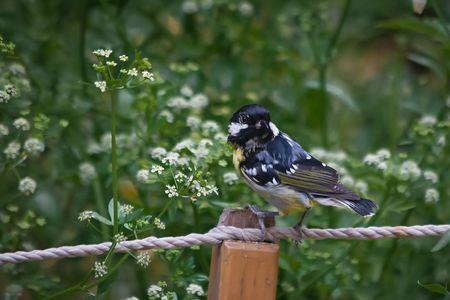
(235, 128)
(274, 129)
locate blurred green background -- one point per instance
(350, 76)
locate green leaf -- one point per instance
(426, 27)
(429, 63)
(101, 219)
(434, 288)
(444, 241)
(337, 92)
(402, 206)
(133, 216)
(111, 209)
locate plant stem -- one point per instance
(114, 162)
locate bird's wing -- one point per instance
(312, 176)
(299, 169)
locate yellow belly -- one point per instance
(238, 157)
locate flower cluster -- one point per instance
(121, 73)
(85, 215)
(195, 289)
(87, 172)
(27, 185)
(100, 269)
(158, 291)
(143, 258)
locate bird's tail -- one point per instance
(364, 207)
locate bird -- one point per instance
(277, 168)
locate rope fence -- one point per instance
(222, 233)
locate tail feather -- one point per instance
(364, 207)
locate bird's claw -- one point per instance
(261, 215)
(298, 240)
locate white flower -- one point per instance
(186, 91)
(132, 298)
(431, 196)
(157, 169)
(27, 186)
(193, 121)
(143, 258)
(94, 148)
(3, 130)
(171, 191)
(178, 102)
(100, 85)
(428, 120)
(171, 158)
(441, 140)
(123, 58)
(12, 150)
(180, 177)
(106, 141)
(133, 72)
(383, 154)
(183, 161)
(142, 175)
(220, 137)
(148, 75)
(159, 224)
(319, 153)
(100, 269)
(198, 101)
(210, 127)
(21, 124)
(184, 144)
(361, 186)
(34, 146)
(87, 172)
(431, 176)
(158, 153)
(230, 178)
(378, 159)
(11, 90)
(125, 209)
(371, 159)
(154, 291)
(195, 289)
(120, 237)
(4, 97)
(167, 115)
(111, 63)
(348, 181)
(245, 8)
(85, 215)
(189, 7)
(206, 190)
(409, 170)
(123, 71)
(102, 52)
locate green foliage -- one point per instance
(113, 123)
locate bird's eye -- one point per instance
(244, 118)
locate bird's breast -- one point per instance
(238, 157)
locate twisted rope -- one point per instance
(222, 233)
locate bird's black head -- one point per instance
(250, 126)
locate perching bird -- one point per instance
(278, 169)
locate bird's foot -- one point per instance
(261, 215)
(299, 229)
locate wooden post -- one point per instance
(243, 270)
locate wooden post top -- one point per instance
(242, 218)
